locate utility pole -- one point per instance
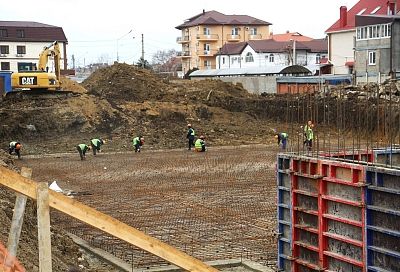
(142, 51)
(73, 61)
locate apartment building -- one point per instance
(377, 49)
(203, 35)
(21, 43)
(342, 34)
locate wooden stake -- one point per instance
(44, 238)
(18, 217)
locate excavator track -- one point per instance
(44, 94)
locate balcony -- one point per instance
(253, 37)
(233, 38)
(207, 37)
(206, 67)
(184, 39)
(207, 53)
(184, 54)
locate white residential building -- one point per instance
(22, 42)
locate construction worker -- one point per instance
(282, 138)
(15, 147)
(308, 135)
(200, 144)
(82, 148)
(137, 143)
(96, 145)
(190, 136)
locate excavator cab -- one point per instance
(40, 79)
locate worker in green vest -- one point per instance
(82, 148)
(190, 136)
(200, 144)
(96, 145)
(15, 147)
(282, 139)
(309, 135)
(138, 142)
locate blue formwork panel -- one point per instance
(387, 156)
(284, 212)
(383, 219)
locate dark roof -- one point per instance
(365, 20)
(368, 5)
(216, 18)
(233, 48)
(295, 69)
(33, 32)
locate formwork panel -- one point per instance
(307, 237)
(346, 230)
(284, 213)
(345, 249)
(383, 218)
(307, 184)
(387, 156)
(344, 211)
(308, 220)
(340, 266)
(343, 191)
(306, 202)
(308, 256)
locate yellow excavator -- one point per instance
(40, 79)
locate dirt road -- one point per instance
(214, 205)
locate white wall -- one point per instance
(262, 59)
(341, 50)
(33, 50)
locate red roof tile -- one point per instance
(290, 36)
(368, 5)
(218, 18)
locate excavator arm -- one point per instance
(53, 50)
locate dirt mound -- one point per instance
(127, 82)
(70, 85)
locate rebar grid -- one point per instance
(214, 206)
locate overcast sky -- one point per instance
(99, 29)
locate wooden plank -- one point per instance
(104, 222)
(44, 238)
(18, 217)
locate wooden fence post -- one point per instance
(43, 217)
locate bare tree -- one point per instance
(161, 60)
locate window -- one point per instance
(20, 33)
(235, 31)
(249, 57)
(376, 9)
(362, 11)
(21, 49)
(253, 31)
(206, 31)
(207, 64)
(318, 58)
(271, 58)
(5, 66)
(373, 31)
(4, 49)
(385, 31)
(3, 33)
(206, 49)
(371, 58)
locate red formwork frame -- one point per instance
(322, 172)
(355, 180)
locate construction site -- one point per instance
(243, 205)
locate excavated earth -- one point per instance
(122, 101)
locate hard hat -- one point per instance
(276, 136)
(18, 146)
(189, 125)
(201, 137)
(142, 138)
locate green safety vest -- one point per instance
(12, 144)
(95, 142)
(136, 140)
(192, 133)
(199, 143)
(284, 135)
(82, 146)
(309, 133)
